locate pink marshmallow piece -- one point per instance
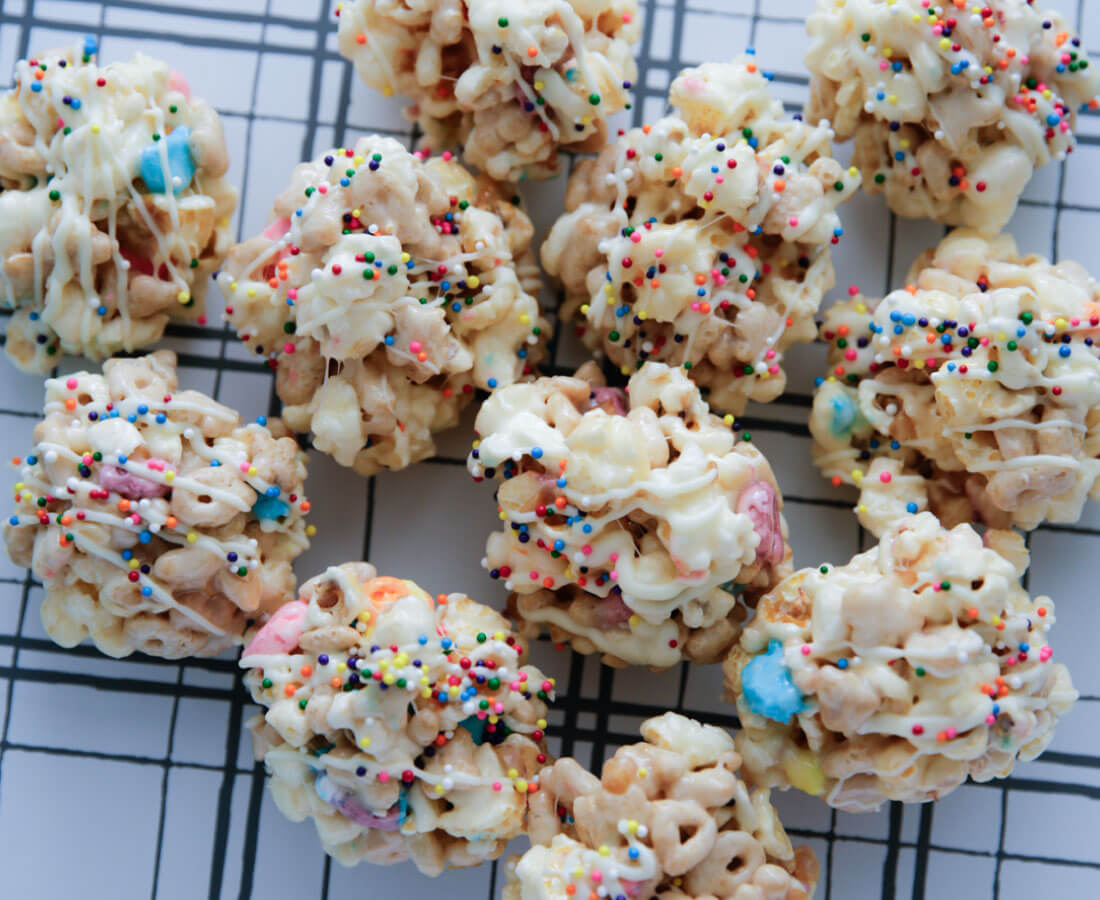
(128, 484)
(281, 633)
(760, 503)
(177, 82)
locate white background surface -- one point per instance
(134, 779)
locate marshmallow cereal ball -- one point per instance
(155, 518)
(702, 240)
(512, 83)
(952, 106)
(405, 727)
(114, 205)
(634, 524)
(899, 674)
(384, 290)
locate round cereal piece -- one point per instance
(156, 520)
(384, 290)
(974, 392)
(669, 818)
(635, 523)
(114, 205)
(899, 674)
(512, 83)
(703, 240)
(406, 728)
(952, 110)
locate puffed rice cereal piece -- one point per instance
(952, 109)
(384, 290)
(635, 523)
(896, 676)
(96, 253)
(511, 82)
(406, 728)
(974, 392)
(156, 520)
(670, 818)
(703, 240)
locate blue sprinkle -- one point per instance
(272, 491)
(1052, 119)
(145, 537)
(559, 545)
(90, 45)
(127, 555)
(1024, 648)
(214, 463)
(447, 643)
(180, 164)
(456, 307)
(101, 310)
(996, 709)
(422, 640)
(1063, 350)
(560, 482)
(899, 155)
(586, 528)
(536, 452)
(14, 520)
(389, 340)
(122, 459)
(445, 285)
(842, 664)
(131, 418)
(344, 182)
(270, 508)
(261, 420)
(632, 853)
(37, 87)
(894, 445)
(767, 686)
(910, 507)
(492, 382)
(143, 409)
(75, 103)
(161, 418)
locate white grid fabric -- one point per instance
(134, 779)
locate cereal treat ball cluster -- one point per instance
(114, 206)
(952, 105)
(670, 818)
(383, 291)
(702, 240)
(636, 524)
(511, 82)
(405, 728)
(156, 520)
(974, 392)
(894, 677)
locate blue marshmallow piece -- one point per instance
(180, 164)
(767, 687)
(844, 414)
(270, 508)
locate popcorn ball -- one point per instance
(114, 206)
(384, 290)
(670, 818)
(952, 106)
(511, 82)
(974, 392)
(703, 240)
(405, 728)
(156, 520)
(635, 523)
(896, 676)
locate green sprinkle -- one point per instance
(288, 327)
(392, 270)
(687, 365)
(945, 585)
(55, 196)
(865, 37)
(991, 365)
(594, 99)
(824, 570)
(494, 683)
(156, 137)
(1026, 318)
(266, 683)
(880, 178)
(749, 370)
(920, 672)
(368, 274)
(173, 109)
(613, 336)
(745, 436)
(303, 703)
(481, 637)
(242, 571)
(1012, 345)
(194, 263)
(368, 256)
(503, 22)
(839, 186)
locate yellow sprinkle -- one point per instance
(192, 537)
(232, 285)
(19, 485)
(916, 19)
(498, 635)
(476, 444)
(493, 720)
(1001, 335)
(578, 872)
(625, 370)
(252, 470)
(604, 850)
(887, 52)
(831, 378)
(632, 827)
(425, 693)
(862, 508)
(857, 476)
(473, 281)
(95, 129)
(513, 774)
(439, 789)
(341, 667)
(383, 665)
(643, 773)
(525, 319)
(503, 515)
(183, 296)
(853, 171)
(389, 678)
(424, 680)
(169, 476)
(357, 159)
(404, 256)
(521, 786)
(1047, 94)
(539, 85)
(364, 742)
(311, 530)
(356, 212)
(643, 314)
(134, 564)
(904, 142)
(584, 309)
(586, 120)
(541, 723)
(635, 621)
(387, 91)
(728, 420)
(1060, 322)
(945, 44)
(918, 363)
(452, 690)
(861, 307)
(251, 292)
